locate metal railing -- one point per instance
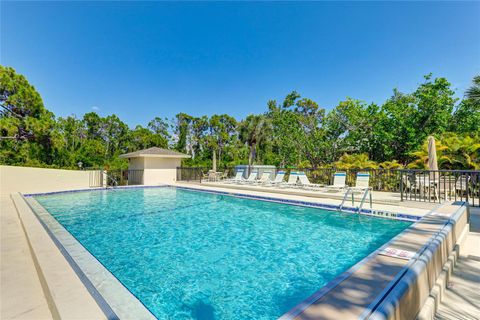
(412, 185)
(191, 173)
(441, 185)
(100, 178)
(124, 177)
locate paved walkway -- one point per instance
(462, 296)
(21, 295)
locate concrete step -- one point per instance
(22, 295)
(65, 293)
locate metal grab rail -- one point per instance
(112, 179)
(367, 192)
(351, 191)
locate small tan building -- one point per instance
(158, 165)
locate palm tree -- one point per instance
(453, 151)
(355, 161)
(253, 131)
(473, 93)
(422, 156)
(464, 149)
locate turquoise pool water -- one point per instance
(195, 255)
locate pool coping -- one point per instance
(331, 284)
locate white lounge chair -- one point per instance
(306, 184)
(362, 182)
(237, 178)
(265, 178)
(251, 178)
(292, 180)
(339, 182)
(278, 179)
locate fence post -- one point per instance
(401, 185)
(104, 179)
(467, 185)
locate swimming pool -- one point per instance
(196, 255)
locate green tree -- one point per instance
(144, 138)
(466, 118)
(435, 102)
(221, 129)
(473, 93)
(253, 131)
(298, 132)
(160, 127)
(199, 129)
(26, 127)
(182, 130)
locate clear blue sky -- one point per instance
(141, 60)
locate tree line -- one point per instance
(295, 132)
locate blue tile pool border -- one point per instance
(368, 212)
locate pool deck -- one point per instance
(38, 283)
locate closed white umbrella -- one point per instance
(432, 154)
(214, 161)
(433, 165)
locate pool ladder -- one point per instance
(113, 180)
(366, 192)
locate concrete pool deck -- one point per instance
(34, 303)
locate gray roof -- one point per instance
(155, 152)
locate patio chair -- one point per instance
(277, 181)
(213, 175)
(238, 177)
(428, 186)
(265, 178)
(339, 183)
(292, 180)
(205, 176)
(362, 182)
(461, 186)
(251, 178)
(224, 175)
(447, 187)
(306, 184)
(410, 183)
